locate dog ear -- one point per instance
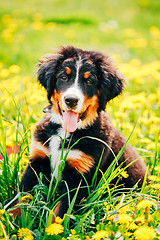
(46, 73)
(111, 81)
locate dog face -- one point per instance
(79, 84)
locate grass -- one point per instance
(128, 31)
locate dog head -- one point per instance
(79, 84)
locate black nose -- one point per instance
(71, 101)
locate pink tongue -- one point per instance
(70, 120)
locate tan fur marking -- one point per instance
(38, 154)
(56, 99)
(86, 75)
(38, 150)
(68, 70)
(82, 164)
(92, 104)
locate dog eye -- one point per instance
(64, 77)
(88, 82)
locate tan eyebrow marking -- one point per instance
(68, 70)
(86, 75)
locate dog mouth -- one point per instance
(70, 119)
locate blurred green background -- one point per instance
(32, 28)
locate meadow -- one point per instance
(128, 31)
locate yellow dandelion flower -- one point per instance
(54, 228)
(152, 97)
(4, 73)
(6, 19)
(123, 209)
(132, 226)
(124, 219)
(145, 139)
(27, 197)
(100, 234)
(151, 146)
(145, 203)
(154, 178)
(140, 220)
(28, 238)
(149, 219)
(139, 80)
(87, 237)
(58, 220)
(156, 186)
(144, 233)
(14, 69)
(37, 25)
(2, 211)
(157, 168)
(154, 119)
(155, 32)
(137, 43)
(126, 125)
(128, 234)
(25, 234)
(73, 231)
(153, 130)
(144, 121)
(124, 174)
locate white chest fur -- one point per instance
(56, 151)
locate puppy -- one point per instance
(79, 84)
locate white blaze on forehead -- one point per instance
(75, 88)
(78, 66)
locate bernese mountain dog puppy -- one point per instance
(79, 84)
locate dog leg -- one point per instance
(31, 173)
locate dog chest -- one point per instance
(55, 147)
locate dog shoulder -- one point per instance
(44, 122)
(44, 129)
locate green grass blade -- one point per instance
(144, 181)
(67, 218)
(23, 217)
(155, 154)
(97, 168)
(79, 225)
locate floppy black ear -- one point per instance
(111, 81)
(46, 73)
